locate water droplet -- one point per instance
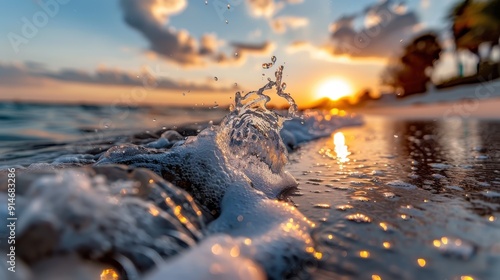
(454, 247)
(386, 227)
(266, 65)
(438, 176)
(358, 218)
(344, 207)
(378, 173)
(273, 59)
(401, 184)
(361, 198)
(389, 195)
(228, 6)
(206, 2)
(364, 254)
(283, 86)
(235, 54)
(184, 93)
(405, 217)
(227, 22)
(216, 79)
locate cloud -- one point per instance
(425, 4)
(149, 17)
(258, 49)
(324, 53)
(268, 8)
(243, 50)
(386, 28)
(21, 74)
(281, 24)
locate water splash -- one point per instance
(234, 171)
(252, 130)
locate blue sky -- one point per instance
(85, 36)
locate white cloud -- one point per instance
(268, 8)
(149, 18)
(281, 24)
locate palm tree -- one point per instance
(412, 72)
(475, 22)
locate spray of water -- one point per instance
(252, 131)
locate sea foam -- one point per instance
(214, 195)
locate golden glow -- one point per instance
(466, 277)
(334, 89)
(318, 255)
(216, 249)
(421, 262)
(436, 243)
(364, 254)
(383, 226)
(235, 252)
(444, 241)
(153, 211)
(387, 245)
(376, 277)
(109, 274)
(491, 218)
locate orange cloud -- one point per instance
(281, 24)
(149, 17)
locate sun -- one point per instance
(334, 89)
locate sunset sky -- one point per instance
(169, 52)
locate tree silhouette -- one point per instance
(411, 73)
(475, 22)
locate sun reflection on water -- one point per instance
(340, 147)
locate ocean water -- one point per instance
(41, 132)
(404, 199)
(249, 193)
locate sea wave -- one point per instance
(218, 196)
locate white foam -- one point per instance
(236, 171)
